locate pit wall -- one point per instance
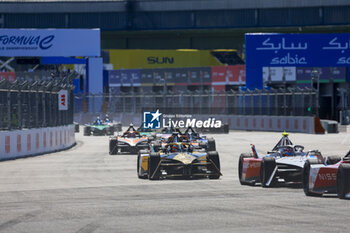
(299, 124)
(29, 142)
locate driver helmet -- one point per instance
(288, 151)
(98, 120)
(107, 118)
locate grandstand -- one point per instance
(178, 24)
(217, 26)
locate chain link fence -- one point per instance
(281, 102)
(34, 104)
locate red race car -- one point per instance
(331, 176)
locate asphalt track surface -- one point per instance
(86, 190)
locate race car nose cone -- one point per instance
(184, 158)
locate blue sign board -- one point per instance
(50, 42)
(125, 78)
(293, 50)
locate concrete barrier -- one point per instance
(29, 142)
(330, 126)
(270, 123)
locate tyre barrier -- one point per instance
(31, 142)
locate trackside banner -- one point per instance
(49, 42)
(266, 50)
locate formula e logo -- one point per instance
(152, 120)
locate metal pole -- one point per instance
(318, 95)
(9, 109)
(43, 97)
(19, 108)
(37, 108)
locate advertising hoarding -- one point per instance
(49, 42)
(293, 50)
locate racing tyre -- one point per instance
(268, 165)
(113, 146)
(139, 164)
(306, 174)
(240, 168)
(343, 180)
(153, 166)
(333, 159)
(87, 131)
(214, 167)
(211, 144)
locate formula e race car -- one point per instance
(101, 129)
(330, 176)
(131, 141)
(198, 141)
(177, 160)
(164, 134)
(189, 136)
(284, 163)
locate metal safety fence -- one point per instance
(344, 106)
(34, 104)
(281, 102)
